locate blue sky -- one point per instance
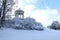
(44, 11)
(54, 4)
(51, 3)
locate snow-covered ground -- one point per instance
(12, 34)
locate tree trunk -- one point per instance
(4, 10)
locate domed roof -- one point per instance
(19, 10)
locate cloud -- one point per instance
(31, 1)
(46, 16)
(28, 9)
(27, 5)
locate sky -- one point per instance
(44, 11)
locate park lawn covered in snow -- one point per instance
(12, 34)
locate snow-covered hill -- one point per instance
(12, 34)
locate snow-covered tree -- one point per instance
(27, 23)
(55, 25)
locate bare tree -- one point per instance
(5, 8)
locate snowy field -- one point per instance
(12, 34)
